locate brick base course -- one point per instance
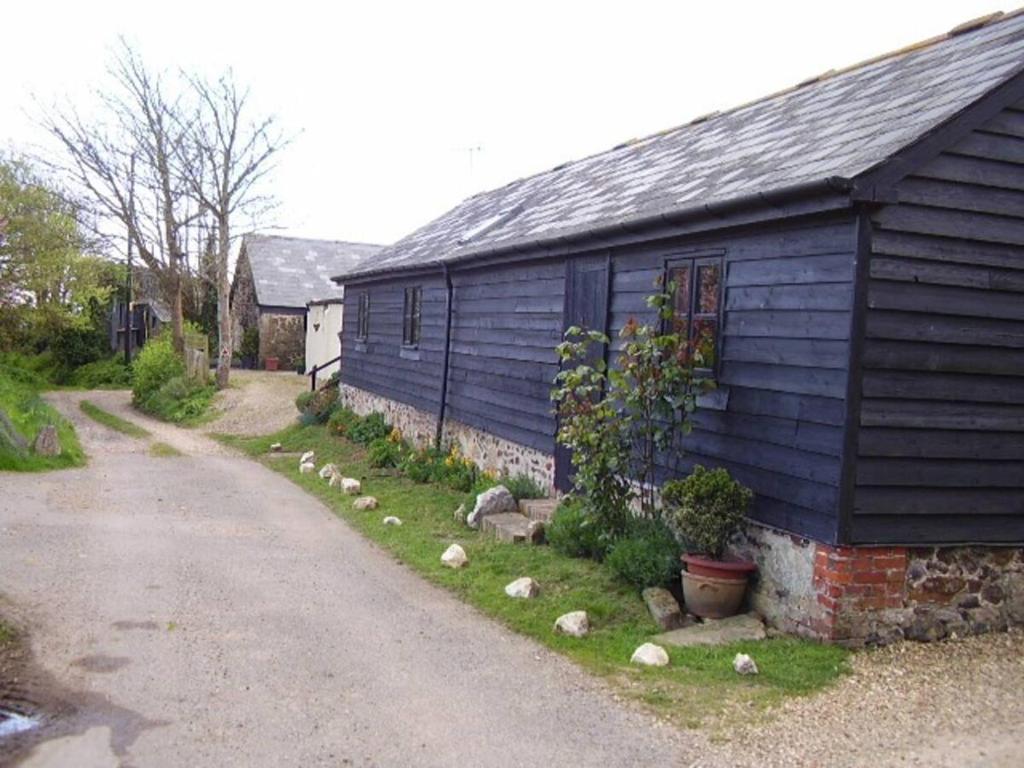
(876, 595)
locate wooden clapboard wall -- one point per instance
(779, 423)
(941, 439)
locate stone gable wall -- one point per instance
(283, 337)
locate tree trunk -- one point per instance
(177, 308)
(223, 304)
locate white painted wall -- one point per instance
(323, 324)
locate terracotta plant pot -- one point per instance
(714, 589)
(703, 565)
(270, 363)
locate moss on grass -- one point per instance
(697, 688)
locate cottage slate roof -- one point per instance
(291, 271)
(836, 126)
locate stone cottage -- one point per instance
(275, 278)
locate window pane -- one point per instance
(705, 342)
(709, 283)
(681, 277)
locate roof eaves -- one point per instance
(712, 210)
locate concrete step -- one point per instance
(539, 509)
(508, 526)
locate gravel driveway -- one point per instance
(204, 611)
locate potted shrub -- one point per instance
(708, 507)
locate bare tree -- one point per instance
(125, 161)
(226, 157)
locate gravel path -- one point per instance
(958, 704)
(203, 610)
(257, 402)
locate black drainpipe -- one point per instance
(447, 353)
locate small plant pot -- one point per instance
(270, 363)
(714, 589)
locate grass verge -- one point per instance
(20, 401)
(108, 419)
(699, 687)
(163, 450)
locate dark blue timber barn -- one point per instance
(852, 252)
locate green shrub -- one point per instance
(249, 348)
(423, 466)
(574, 533)
(708, 507)
(648, 556)
(341, 421)
(371, 427)
(109, 373)
(179, 400)
(76, 345)
(384, 452)
(317, 407)
(156, 364)
(302, 400)
(523, 487)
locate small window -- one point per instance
(411, 316)
(363, 322)
(697, 306)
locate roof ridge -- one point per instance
(313, 239)
(966, 27)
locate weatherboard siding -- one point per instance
(785, 352)
(381, 364)
(941, 439)
(506, 322)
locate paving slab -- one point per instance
(746, 626)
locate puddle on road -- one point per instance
(12, 723)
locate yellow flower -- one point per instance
(395, 436)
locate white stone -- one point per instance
(350, 486)
(364, 502)
(650, 655)
(744, 665)
(327, 471)
(392, 520)
(454, 556)
(308, 456)
(574, 624)
(493, 501)
(524, 588)
(275, 447)
(307, 468)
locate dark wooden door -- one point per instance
(586, 306)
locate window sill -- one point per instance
(409, 353)
(715, 400)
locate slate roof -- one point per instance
(291, 271)
(836, 126)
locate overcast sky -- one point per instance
(401, 110)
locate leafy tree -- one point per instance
(621, 422)
(49, 289)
